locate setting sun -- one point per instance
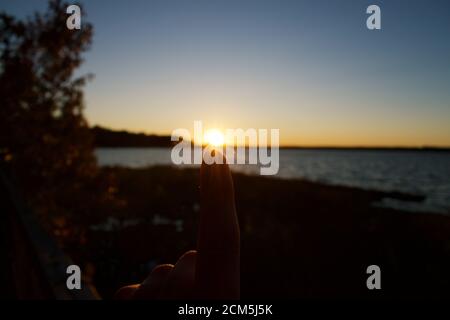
(214, 137)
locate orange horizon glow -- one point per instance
(307, 140)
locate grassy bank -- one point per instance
(299, 239)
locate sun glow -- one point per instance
(214, 137)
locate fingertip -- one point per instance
(191, 254)
(180, 283)
(215, 176)
(126, 293)
(151, 287)
(159, 271)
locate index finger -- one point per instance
(218, 247)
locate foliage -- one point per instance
(44, 136)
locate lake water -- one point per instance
(418, 172)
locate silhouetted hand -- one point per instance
(213, 271)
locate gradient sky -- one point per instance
(310, 68)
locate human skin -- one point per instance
(213, 270)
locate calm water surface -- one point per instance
(418, 172)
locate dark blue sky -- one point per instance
(310, 68)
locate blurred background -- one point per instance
(86, 117)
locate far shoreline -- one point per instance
(107, 138)
(421, 149)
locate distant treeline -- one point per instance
(104, 137)
(357, 148)
(110, 138)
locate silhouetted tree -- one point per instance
(44, 136)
